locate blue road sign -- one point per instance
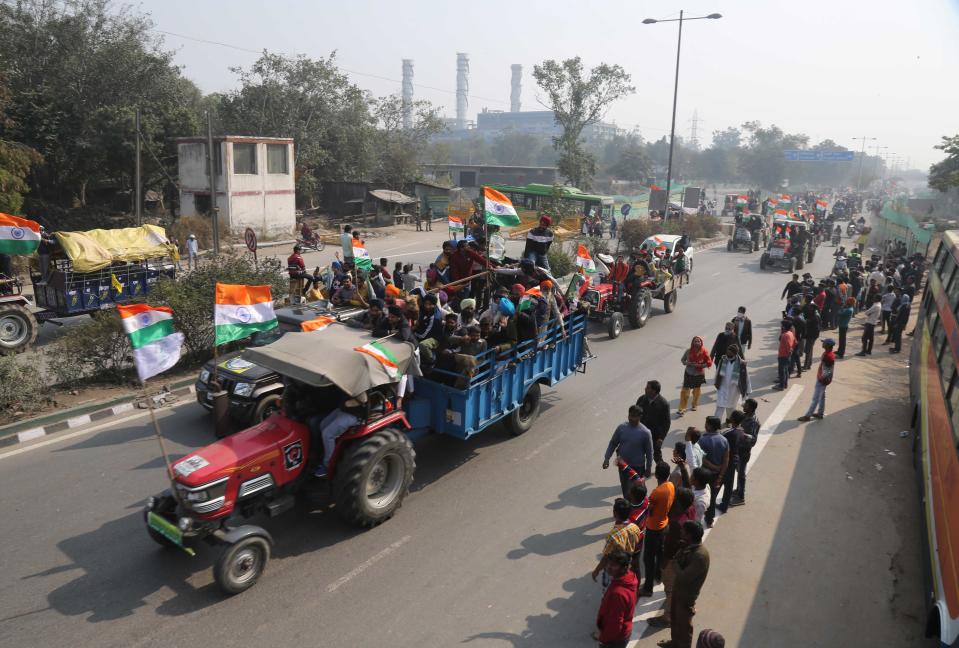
(818, 156)
(624, 210)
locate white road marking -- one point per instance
(332, 587)
(765, 433)
(716, 274)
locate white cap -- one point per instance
(192, 236)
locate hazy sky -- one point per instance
(839, 69)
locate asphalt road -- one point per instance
(493, 547)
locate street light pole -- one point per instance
(672, 129)
(862, 155)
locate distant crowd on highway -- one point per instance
(657, 533)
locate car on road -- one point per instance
(255, 391)
(257, 473)
(669, 241)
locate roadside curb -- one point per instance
(35, 428)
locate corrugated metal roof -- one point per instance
(392, 196)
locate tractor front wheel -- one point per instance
(241, 564)
(615, 325)
(373, 477)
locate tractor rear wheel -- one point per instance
(18, 329)
(521, 419)
(373, 477)
(639, 307)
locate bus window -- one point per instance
(947, 366)
(938, 338)
(941, 257)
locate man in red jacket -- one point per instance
(614, 622)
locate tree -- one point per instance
(727, 140)
(81, 70)
(312, 101)
(633, 164)
(762, 161)
(577, 101)
(944, 175)
(399, 150)
(16, 160)
(516, 149)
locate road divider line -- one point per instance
(779, 413)
(359, 569)
(716, 274)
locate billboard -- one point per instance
(691, 197)
(657, 200)
(818, 156)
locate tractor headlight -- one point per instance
(243, 389)
(151, 502)
(198, 496)
(184, 524)
(205, 376)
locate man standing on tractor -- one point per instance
(538, 241)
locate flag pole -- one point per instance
(156, 430)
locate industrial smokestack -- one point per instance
(516, 87)
(462, 88)
(407, 94)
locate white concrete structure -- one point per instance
(257, 189)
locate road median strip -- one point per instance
(41, 426)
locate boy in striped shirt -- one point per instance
(639, 507)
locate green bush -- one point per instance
(21, 386)
(633, 232)
(98, 350)
(191, 296)
(560, 262)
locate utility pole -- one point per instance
(137, 178)
(211, 158)
(862, 154)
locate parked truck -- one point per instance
(261, 470)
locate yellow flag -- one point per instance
(117, 286)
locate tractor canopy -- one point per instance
(337, 355)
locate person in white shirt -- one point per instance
(888, 298)
(877, 276)
(873, 313)
(694, 454)
(193, 253)
(700, 481)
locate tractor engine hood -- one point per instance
(273, 446)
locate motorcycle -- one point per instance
(851, 229)
(836, 239)
(315, 244)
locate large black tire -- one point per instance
(373, 477)
(18, 329)
(267, 407)
(762, 261)
(639, 308)
(800, 261)
(521, 419)
(792, 265)
(669, 302)
(615, 325)
(241, 564)
(729, 246)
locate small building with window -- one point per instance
(254, 182)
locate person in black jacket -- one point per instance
(898, 324)
(723, 340)
(655, 416)
(744, 329)
(538, 241)
(813, 327)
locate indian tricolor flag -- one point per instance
(156, 346)
(361, 258)
(317, 323)
(498, 209)
(742, 200)
(583, 260)
(18, 235)
(782, 213)
(821, 204)
(241, 311)
(456, 224)
(772, 202)
(382, 355)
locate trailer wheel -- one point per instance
(18, 329)
(615, 325)
(266, 408)
(639, 308)
(241, 564)
(374, 477)
(669, 303)
(521, 419)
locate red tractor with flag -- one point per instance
(626, 293)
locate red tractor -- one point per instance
(614, 302)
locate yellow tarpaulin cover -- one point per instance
(97, 249)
